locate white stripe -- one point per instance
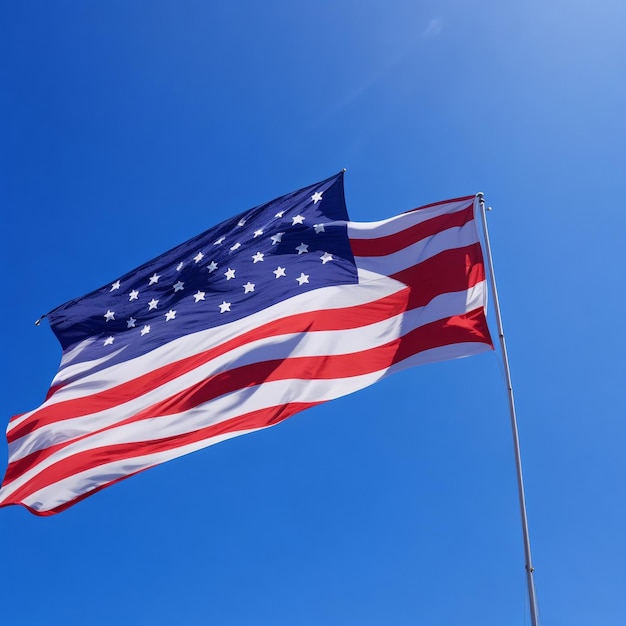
(456, 237)
(397, 223)
(72, 487)
(446, 305)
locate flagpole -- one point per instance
(518, 459)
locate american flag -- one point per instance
(278, 309)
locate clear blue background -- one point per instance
(129, 126)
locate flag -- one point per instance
(276, 310)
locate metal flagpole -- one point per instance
(518, 459)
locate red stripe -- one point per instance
(457, 329)
(332, 319)
(466, 328)
(449, 271)
(382, 246)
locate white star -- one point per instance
(219, 241)
(178, 286)
(152, 304)
(235, 247)
(130, 323)
(297, 219)
(257, 257)
(212, 266)
(277, 238)
(199, 296)
(326, 257)
(180, 266)
(108, 341)
(258, 233)
(279, 271)
(248, 287)
(115, 285)
(229, 273)
(303, 278)
(145, 330)
(317, 196)
(279, 214)
(133, 295)
(302, 248)
(319, 228)
(109, 315)
(241, 222)
(198, 257)
(170, 315)
(225, 306)
(154, 279)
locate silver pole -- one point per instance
(518, 459)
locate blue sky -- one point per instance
(128, 127)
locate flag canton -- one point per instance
(273, 252)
